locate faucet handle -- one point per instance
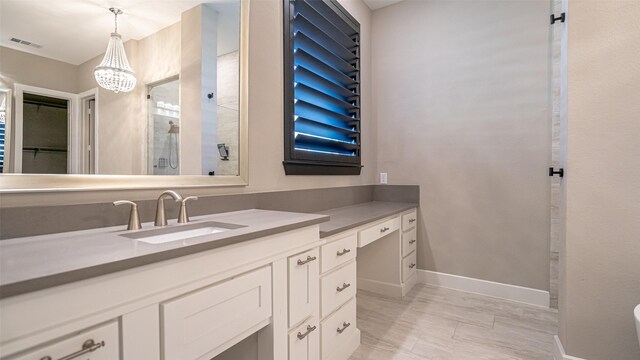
(183, 217)
(134, 217)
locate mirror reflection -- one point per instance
(71, 106)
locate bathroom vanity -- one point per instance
(290, 278)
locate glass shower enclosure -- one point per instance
(163, 134)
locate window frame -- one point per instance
(297, 162)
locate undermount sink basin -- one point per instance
(180, 232)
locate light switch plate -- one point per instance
(383, 178)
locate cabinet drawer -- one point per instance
(304, 341)
(409, 242)
(303, 285)
(197, 325)
(377, 231)
(338, 252)
(409, 220)
(337, 288)
(408, 266)
(337, 329)
(106, 345)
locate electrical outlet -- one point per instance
(383, 178)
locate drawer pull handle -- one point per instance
(87, 347)
(384, 229)
(309, 259)
(412, 220)
(309, 330)
(345, 325)
(344, 251)
(412, 266)
(344, 286)
(411, 242)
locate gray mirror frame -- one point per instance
(27, 183)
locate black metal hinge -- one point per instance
(559, 172)
(562, 17)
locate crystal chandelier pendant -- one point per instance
(114, 72)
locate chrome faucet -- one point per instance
(161, 217)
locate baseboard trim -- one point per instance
(505, 291)
(558, 351)
(409, 284)
(380, 287)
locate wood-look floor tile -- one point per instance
(444, 324)
(522, 342)
(365, 352)
(452, 349)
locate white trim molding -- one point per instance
(558, 351)
(505, 291)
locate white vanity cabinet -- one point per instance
(197, 325)
(304, 341)
(303, 271)
(387, 255)
(409, 245)
(339, 336)
(186, 308)
(99, 343)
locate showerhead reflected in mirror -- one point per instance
(165, 126)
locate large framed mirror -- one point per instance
(167, 108)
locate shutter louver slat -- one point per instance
(309, 78)
(317, 66)
(312, 96)
(323, 24)
(316, 50)
(312, 111)
(303, 25)
(322, 8)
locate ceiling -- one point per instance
(379, 4)
(74, 31)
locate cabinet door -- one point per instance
(337, 329)
(338, 252)
(100, 343)
(377, 231)
(304, 341)
(409, 220)
(408, 266)
(303, 285)
(338, 287)
(409, 241)
(204, 323)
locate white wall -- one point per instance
(461, 94)
(601, 259)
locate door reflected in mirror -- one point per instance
(182, 117)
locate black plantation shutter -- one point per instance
(322, 89)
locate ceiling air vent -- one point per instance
(26, 43)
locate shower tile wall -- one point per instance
(167, 93)
(556, 223)
(228, 110)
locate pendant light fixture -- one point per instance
(114, 72)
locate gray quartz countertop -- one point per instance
(349, 217)
(34, 263)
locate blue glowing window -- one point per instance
(322, 86)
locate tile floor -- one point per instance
(445, 324)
